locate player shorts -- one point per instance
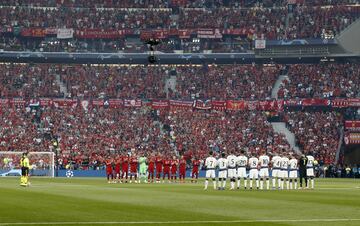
(222, 173)
(254, 174)
(276, 173)
(264, 172)
(241, 172)
(284, 174)
(232, 173)
(293, 174)
(310, 172)
(24, 171)
(142, 169)
(210, 174)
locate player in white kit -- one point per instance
(276, 169)
(242, 162)
(254, 173)
(264, 161)
(210, 165)
(310, 170)
(284, 172)
(223, 165)
(232, 160)
(293, 174)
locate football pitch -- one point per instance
(91, 201)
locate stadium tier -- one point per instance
(219, 82)
(321, 81)
(216, 29)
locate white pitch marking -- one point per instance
(182, 222)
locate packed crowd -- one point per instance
(226, 82)
(86, 137)
(304, 21)
(115, 82)
(192, 82)
(321, 80)
(317, 132)
(28, 81)
(167, 3)
(196, 131)
(219, 82)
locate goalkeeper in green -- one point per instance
(25, 166)
(143, 168)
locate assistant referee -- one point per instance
(25, 166)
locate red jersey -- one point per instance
(166, 163)
(182, 164)
(108, 166)
(196, 164)
(151, 164)
(125, 163)
(158, 163)
(174, 164)
(133, 164)
(118, 166)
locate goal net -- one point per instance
(41, 163)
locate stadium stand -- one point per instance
(323, 80)
(316, 132)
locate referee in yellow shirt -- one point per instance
(25, 166)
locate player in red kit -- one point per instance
(195, 170)
(174, 165)
(117, 169)
(151, 168)
(125, 168)
(134, 162)
(166, 172)
(158, 164)
(182, 169)
(109, 171)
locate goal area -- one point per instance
(41, 163)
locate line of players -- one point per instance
(140, 168)
(284, 169)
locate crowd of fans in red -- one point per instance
(322, 80)
(312, 20)
(226, 82)
(219, 82)
(166, 3)
(192, 82)
(316, 132)
(305, 21)
(87, 136)
(28, 81)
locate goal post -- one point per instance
(41, 163)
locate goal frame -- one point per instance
(51, 154)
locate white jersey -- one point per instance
(310, 163)
(276, 161)
(232, 160)
(284, 163)
(264, 161)
(293, 163)
(242, 161)
(210, 163)
(222, 163)
(310, 166)
(253, 162)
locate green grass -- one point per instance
(93, 200)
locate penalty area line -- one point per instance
(182, 222)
